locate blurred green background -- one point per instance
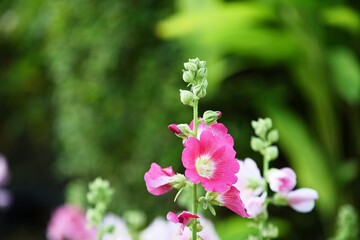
(87, 88)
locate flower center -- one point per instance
(205, 167)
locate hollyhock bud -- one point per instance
(257, 144)
(273, 136)
(174, 128)
(281, 180)
(181, 130)
(190, 66)
(200, 89)
(271, 153)
(183, 218)
(188, 76)
(186, 97)
(302, 200)
(202, 73)
(158, 180)
(210, 117)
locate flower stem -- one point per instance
(195, 203)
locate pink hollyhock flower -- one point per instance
(69, 222)
(281, 180)
(231, 199)
(302, 200)
(183, 218)
(210, 161)
(217, 129)
(250, 182)
(158, 179)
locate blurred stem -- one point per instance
(195, 203)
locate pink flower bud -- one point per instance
(158, 179)
(173, 127)
(281, 180)
(303, 199)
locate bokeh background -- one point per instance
(87, 88)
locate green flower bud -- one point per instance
(273, 136)
(268, 123)
(201, 73)
(190, 66)
(135, 219)
(211, 117)
(186, 97)
(200, 89)
(93, 216)
(180, 181)
(270, 231)
(271, 153)
(185, 129)
(257, 144)
(188, 76)
(195, 60)
(202, 64)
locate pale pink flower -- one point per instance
(158, 179)
(255, 204)
(159, 229)
(4, 171)
(302, 199)
(250, 183)
(281, 180)
(231, 199)
(183, 218)
(120, 232)
(69, 222)
(5, 196)
(207, 233)
(210, 161)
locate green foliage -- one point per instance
(347, 224)
(90, 85)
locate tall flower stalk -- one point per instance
(208, 157)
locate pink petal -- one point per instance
(231, 199)
(172, 217)
(303, 199)
(281, 180)
(158, 180)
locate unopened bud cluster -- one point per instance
(195, 74)
(266, 136)
(99, 196)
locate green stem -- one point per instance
(195, 203)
